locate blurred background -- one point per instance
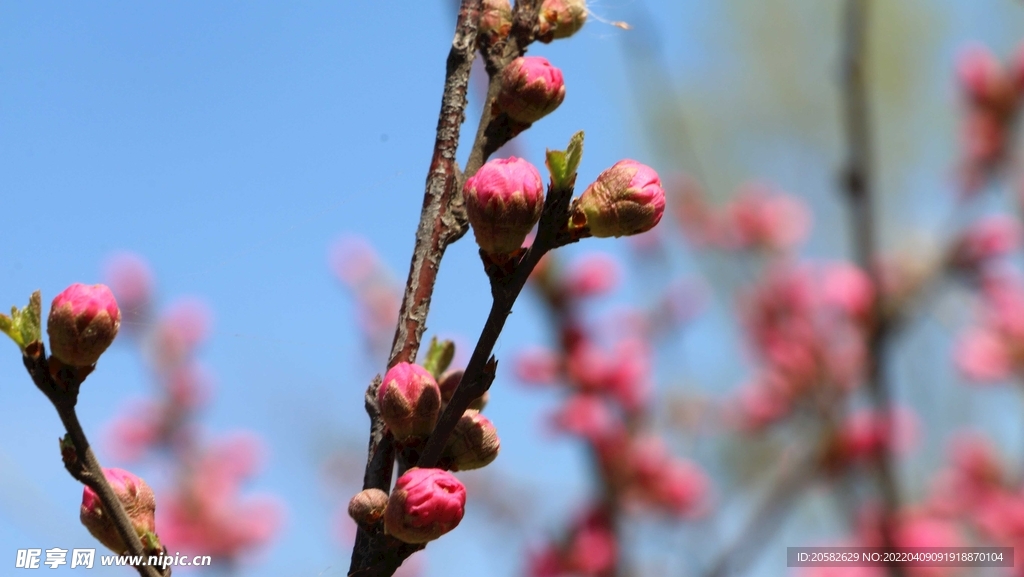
(249, 163)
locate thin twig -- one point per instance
(83, 465)
(442, 221)
(774, 507)
(859, 186)
(505, 289)
(437, 228)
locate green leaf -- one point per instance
(574, 154)
(439, 356)
(23, 326)
(563, 164)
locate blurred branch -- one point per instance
(62, 391)
(858, 183)
(776, 504)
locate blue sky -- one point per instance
(231, 144)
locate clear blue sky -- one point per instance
(232, 143)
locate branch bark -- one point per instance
(442, 222)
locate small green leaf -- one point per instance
(574, 153)
(439, 356)
(556, 166)
(23, 326)
(563, 164)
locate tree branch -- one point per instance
(442, 222)
(62, 391)
(859, 188)
(438, 227)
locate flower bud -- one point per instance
(83, 322)
(561, 19)
(495, 20)
(625, 199)
(504, 200)
(531, 88)
(367, 507)
(137, 499)
(473, 444)
(425, 504)
(409, 401)
(450, 381)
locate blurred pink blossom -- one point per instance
(592, 275)
(130, 278)
(762, 217)
(537, 366)
(181, 328)
(136, 430)
(587, 416)
(982, 356)
(988, 238)
(206, 514)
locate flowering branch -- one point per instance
(505, 289)
(61, 387)
(496, 128)
(859, 190)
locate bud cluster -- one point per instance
(426, 502)
(992, 92)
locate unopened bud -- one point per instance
(495, 20)
(425, 504)
(531, 88)
(473, 444)
(625, 199)
(83, 322)
(450, 381)
(137, 499)
(367, 507)
(561, 19)
(504, 200)
(409, 401)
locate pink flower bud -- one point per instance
(504, 200)
(137, 499)
(531, 88)
(626, 199)
(409, 400)
(473, 444)
(495, 20)
(449, 381)
(561, 19)
(83, 322)
(425, 504)
(367, 507)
